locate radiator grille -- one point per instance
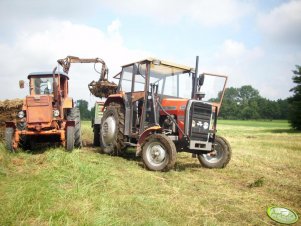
(200, 114)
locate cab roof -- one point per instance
(46, 73)
(162, 62)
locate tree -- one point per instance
(85, 114)
(246, 103)
(295, 101)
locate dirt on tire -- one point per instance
(8, 112)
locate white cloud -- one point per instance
(207, 13)
(38, 49)
(234, 52)
(282, 23)
(270, 73)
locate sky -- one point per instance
(255, 42)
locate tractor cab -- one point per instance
(46, 83)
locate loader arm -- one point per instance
(66, 63)
(101, 88)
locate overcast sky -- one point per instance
(256, 42)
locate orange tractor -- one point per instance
(160, 108)
(48, 114)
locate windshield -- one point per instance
(43, 85)
(127, 77)
(213, 87)
(171, 81)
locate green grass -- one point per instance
(53, 187)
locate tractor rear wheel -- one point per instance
(74, 115)
(9, 139)
(70, 138)
(159, 153)
(218, 158)
(96, 132)
(112, 129)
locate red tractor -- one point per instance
(159, 108)
(48, 114)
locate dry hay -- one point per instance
(8, 112)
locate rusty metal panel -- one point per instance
(39, 109)
(32, 101)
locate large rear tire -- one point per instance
(9, 139)
(74, 115)
(159, 153)
(218, 158)
(112, 130)
(70, 138)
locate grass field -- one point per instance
(52, 187)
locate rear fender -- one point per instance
(117, 98)
(144, 135)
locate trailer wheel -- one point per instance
(218, 158)
(112, 130)
(74, 115)
(70, 138)
(159, 153)
(96, 132)
(9, 139)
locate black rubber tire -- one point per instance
(96, 138)
(74, 115)
(167, 144)
(25, 142)
(9, 138)
(224, 149)
(70, 138)
(117, 147)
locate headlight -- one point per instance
(21, 114)
(206, 125)
(56, 113)
(193, 123)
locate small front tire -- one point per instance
(70, 138)
(218, 158)
(159, 153)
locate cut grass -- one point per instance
(54, 187)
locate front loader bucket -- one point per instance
(102, 88)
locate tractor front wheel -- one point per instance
(219, 157)
(70, 138)
(9, 139)
(159, 153)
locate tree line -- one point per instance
(246, 103)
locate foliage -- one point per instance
(295, 101)
(246, 103)
(85, 114)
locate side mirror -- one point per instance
(201, 80)
(21, 84)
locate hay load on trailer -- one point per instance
(8, 112)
